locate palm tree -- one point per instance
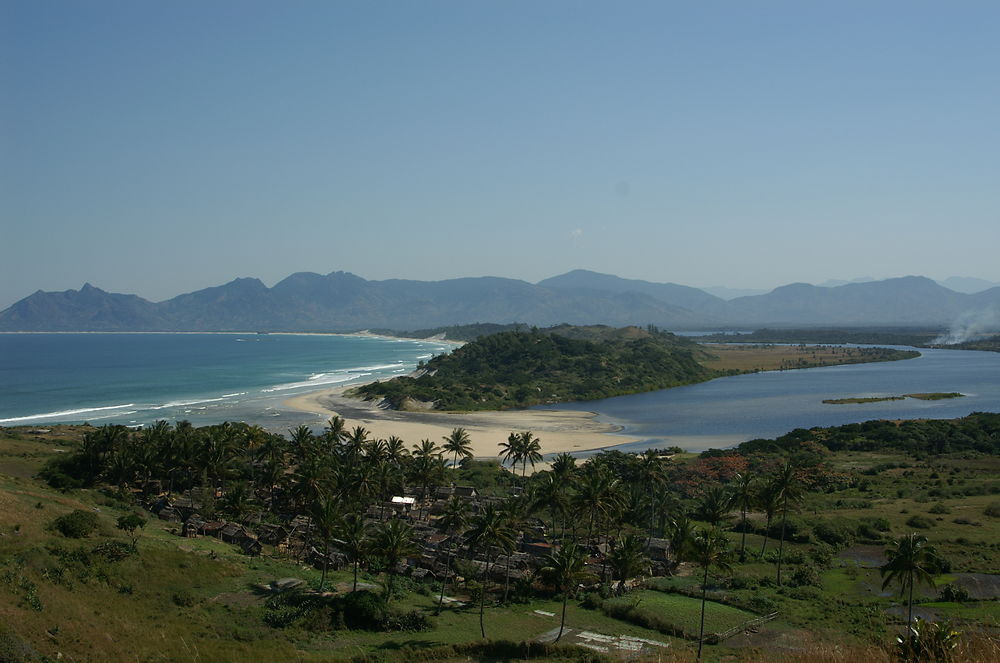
(710, 548)
(490, 529)
(628, 559)
(768, 501)
(550, 492)
(563, 467)
(356, 442)
(599, 496)
(394, 541)
(651, 476)
(458, 443)
(680, 532)
(325, 517)
(510, 451)
(564, 569)
(452, 521)
(786, 487)
(911, 561)
(715, 505)
(744, 491)
(531, 451)
(302, 441)
(354, 540)
(335, 431)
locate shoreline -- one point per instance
(557, 430)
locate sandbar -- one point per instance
(557, 430)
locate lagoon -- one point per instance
(726, 411)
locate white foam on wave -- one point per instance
(187, 403)
(376, 367)
(313, 382)
(66, 413)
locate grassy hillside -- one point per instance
(92, 596)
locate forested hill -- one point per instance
(522, 368)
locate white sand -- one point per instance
(557, 430)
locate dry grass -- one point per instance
(776, 357)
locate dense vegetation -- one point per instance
(809, 526)
(523, 368)
(978, 432)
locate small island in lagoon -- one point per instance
(924, 396)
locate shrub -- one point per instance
(992, 510)
(920, 522)
(76, 524)
(412, 620)
(805, 593)
(183, 598)
(366, 610)
(838, 533)
(954, 593)
(939, 508)
(761, 604)
(805, 575)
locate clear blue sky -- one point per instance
(160, 147)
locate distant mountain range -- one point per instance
(341, 301)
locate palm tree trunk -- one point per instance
(444, 583)
(909, 610)
(356, 562)
(322, 580)
(562, 623)
(781, 541)
(767, 529)
(743, 543)
(701, 629)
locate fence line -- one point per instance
(746, 625)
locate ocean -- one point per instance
(137, 379)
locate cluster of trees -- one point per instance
(604, 511)
(980, 431)
(523, 368)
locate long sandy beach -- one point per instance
(557, 430)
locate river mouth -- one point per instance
(726, 411)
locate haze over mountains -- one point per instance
(341, 301)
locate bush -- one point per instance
(992, 510)
(366, 610)
(761, 604)
(805, 575)
(805, 593)
(183, 598)
(954, 593)
(412, 620)
(838, 533)
(939, 508)
(738, 581)
(920, 522)
(75, 524)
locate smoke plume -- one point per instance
(970, 326)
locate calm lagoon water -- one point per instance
(727, 411)
(204, 378)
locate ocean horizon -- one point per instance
(136, 378)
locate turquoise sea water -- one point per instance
(204, 378)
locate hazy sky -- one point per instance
(160, 147)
